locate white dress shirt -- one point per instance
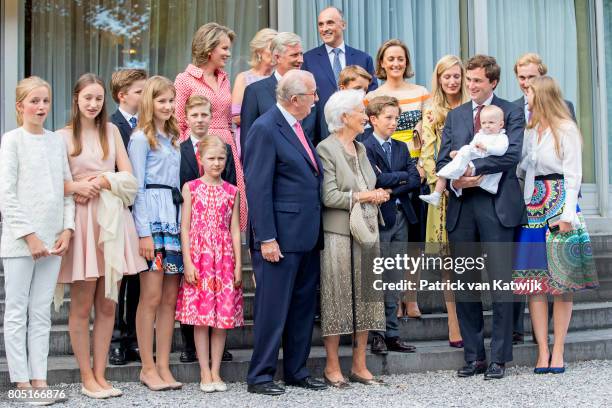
(128, 116)
(341, 55)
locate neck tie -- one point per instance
(477, 119)
(133, 121)
(197, 154)
(387, 148)
(336, 66)
(302, 138)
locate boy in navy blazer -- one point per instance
(126, 89)
(396, 171)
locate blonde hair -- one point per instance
(155, 86)
(380, 71)
(439, 105)
(206, 39)
(23, 89)
(494, 111)
(549, 107)
(531, 58)
(210, 142)
(351, 73)
(261, 41)
(122, 80)
(75, 120)
(197, 100)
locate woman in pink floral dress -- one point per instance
(211, 291)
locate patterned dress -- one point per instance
(213, 301)
(191, 82)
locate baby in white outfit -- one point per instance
(490, 140)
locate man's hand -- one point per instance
(271, 251)
(467, 182)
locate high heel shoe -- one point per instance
(456, 344)
(413, 312)
(543, 370)
(158, 387)
(556, 370)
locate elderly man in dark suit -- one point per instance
(260, 96)
(326, 61)
(474, 216)
(283, 177)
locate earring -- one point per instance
(258, 57)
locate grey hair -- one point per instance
(292, 83)
(282, 40)
(340, 103)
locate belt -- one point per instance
(552, 176)
(177, 198)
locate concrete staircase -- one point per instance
(590, 336)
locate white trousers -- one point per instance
(29, 286)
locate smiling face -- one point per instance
(198, 120)
(331, 26)
(213, 161)
(450, 80)
(355, 119)
(359, 84)
(292, 58)
(394, 62)
(479, 86)
(525, 73)
(221, 53)
(163, 106)
(385, 123)
(35, 107)
(91, 101)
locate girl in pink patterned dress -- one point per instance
(211, 291)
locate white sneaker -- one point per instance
(433, 199)
(210, 387)
(220, 386)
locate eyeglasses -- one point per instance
(314, 94)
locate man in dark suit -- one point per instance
(474, 215)
(283, 176)
(527, 67)
(126, 89)
(326, 61)
(260, 96)
(395, 170)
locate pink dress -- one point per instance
(213, 301)
(85, 258)
(191, 82)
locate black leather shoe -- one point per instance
(227, 356)
(495, 371)
(517, 338)
(267, 388)
(117, 357)
(395, 344)
(472, 368)
(309, 383)
(378, 345)
(132, 354)
(188, 356)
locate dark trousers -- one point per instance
(478, 223)
(392, 242)
(284, 311)
(188, 342)
(124, 332)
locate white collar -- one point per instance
(193, 140)
(380, 140)
(341, 47)
(127, 116)
(485, 103)
(288, 117)
(277, 76)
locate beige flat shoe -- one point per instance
(115, 392)
(220, 386)
(210, 387)
(175, 385)
(102, 394)
(159, 387)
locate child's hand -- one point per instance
(36, 246)
(238, 277)
(453, 154)
(146, 248)
(61, 245)
(79, 199)
(88, 188)
(190, 274)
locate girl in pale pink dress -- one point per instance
(211, 291)
(94, 147)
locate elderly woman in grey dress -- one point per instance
(348, 180)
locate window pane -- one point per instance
(608, 41)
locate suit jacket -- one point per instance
(459, 131)
(317, 62)
(259, 97)
(401, 176)
(189, 164)
(283, 187)
(521, 103)
(125, 128)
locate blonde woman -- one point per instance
(448, 92)
(261, 67)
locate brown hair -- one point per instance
(351, 73)
(206, 39)
(209, 142)
(122, 80)
(23, 89)
(155, 86)
(380, 71)
(491, 68)
(531, 58)
(197, 100)
(549, 107)
(439, 102)
(75, 121)
(377, 104)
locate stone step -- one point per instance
(430, 356)
(585, 316)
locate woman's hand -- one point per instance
(101, 181)
(62, 243)
(36, 246)
(145, 248)
(377, 196)
(190, 274)
(79, 199)
(564, 226)
(87, 188)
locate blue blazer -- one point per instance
(401, 176)
(283, 187)
(521, 103)
(259, 97)
(459, 131)
(317, 62)
(125, 128)
(189, 164)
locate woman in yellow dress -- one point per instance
(393, 65)
(448, 92)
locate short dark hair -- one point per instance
(377, 104)
(491, 68)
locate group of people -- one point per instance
(319, 169)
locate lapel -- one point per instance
(125, 127)
(325, 64)
(467, 115)
(292, 138)
(350, 55)
(189, 155)
(380, 152)
(395, 153)
(271, 87)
